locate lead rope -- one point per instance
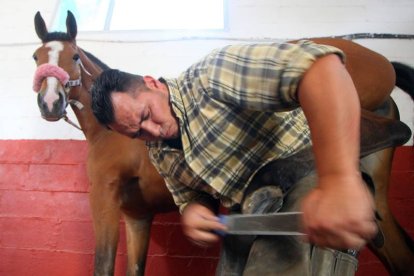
(67, 120)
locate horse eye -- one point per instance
(76, 57)
(34, 57)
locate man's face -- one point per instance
(147, 115)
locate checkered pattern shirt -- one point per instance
(238, 110)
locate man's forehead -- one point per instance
(122, 105)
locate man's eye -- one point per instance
(146, 117)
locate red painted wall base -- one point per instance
(46, 228)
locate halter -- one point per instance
(50, 70)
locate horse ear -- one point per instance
(40, 26)
(71, 26)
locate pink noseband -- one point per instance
(49, 70)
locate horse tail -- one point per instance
(404, 77)
(405, 81)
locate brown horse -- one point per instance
(122, 178)
(123, 181)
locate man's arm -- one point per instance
(339, 212)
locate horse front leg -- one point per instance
(138, 236)
(106, 214)
(393, 249)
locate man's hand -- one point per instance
(339, 213)
(199, 222)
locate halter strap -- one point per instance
(73, 83)
(83, 68)
(78, 82)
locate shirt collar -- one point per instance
(175, 97)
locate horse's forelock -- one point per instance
(59, 36)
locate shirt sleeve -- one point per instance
(182, 182)
(262, 77)
(182, 194)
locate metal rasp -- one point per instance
(284, 223)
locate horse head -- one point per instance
(58, 68)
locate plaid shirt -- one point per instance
(238, 110)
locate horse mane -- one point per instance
(96, 60)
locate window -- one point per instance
(117, 15)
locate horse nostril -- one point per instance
(40, 102)
(62, 99)
(43, 105)
(59, 106)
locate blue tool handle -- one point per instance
(222, 220)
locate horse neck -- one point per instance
(91, 128)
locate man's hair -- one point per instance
(108, 82)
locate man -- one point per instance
(211, 130)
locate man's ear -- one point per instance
(150, 82)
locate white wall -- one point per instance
(168, 53)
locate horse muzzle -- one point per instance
(52, 111)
